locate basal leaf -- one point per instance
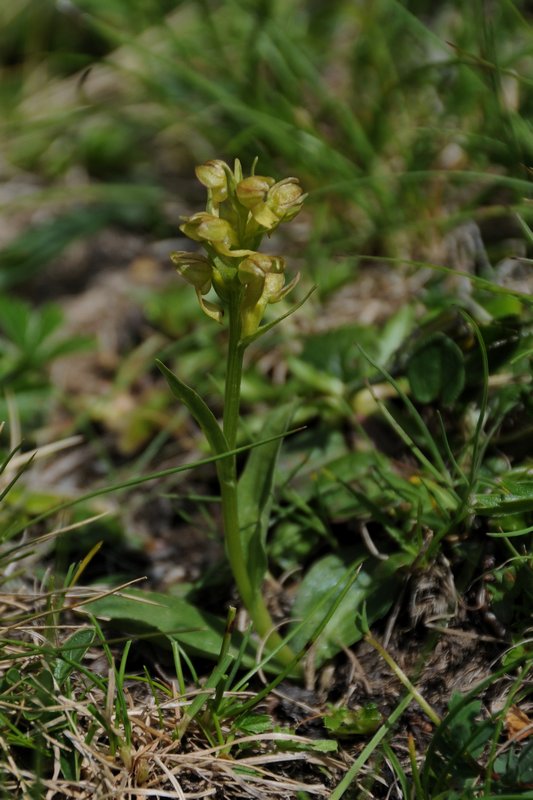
(199, 632)
(525, 765)
(374, 587)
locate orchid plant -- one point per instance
(235, 282)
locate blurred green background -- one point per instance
(402, 119)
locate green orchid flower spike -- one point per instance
(240, 211)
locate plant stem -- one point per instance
(232, 396)
(227, 474)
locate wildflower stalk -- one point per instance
(250, 595)
(239, 213)
(232, 394)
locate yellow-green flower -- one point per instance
(240, 211)
(205, 227)
(270, 203)
(214, 176)
(285, 199)
(253, 191)
(198, 271)
(210, 229)
(264, 282)
(195, 268)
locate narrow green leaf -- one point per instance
(255, 493)
(198, 408)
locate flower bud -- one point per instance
(195, 269)
(264, 281)
(213, 175)
(253, 190)
(252, 273)
(271, 203)
(285, 199)
(205, 227)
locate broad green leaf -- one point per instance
(502, 306)
(344, 722)
(255, 493)
(198, 408)
(198, 632)
(72, 651)
(317, 379)
(525, 765)
(337, 354)
(436, 370)
(374, 587)
(467, 731)
(255, 723)
(292, 542)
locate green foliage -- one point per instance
(372, 590)
(173, 617)
(436, 370)
(255, 490)
(72, 652)
(514, 768)
(408, 123)
(346, 722)
(200, 411)
(30, 340)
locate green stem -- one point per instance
(227, 473)
(232, 396)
